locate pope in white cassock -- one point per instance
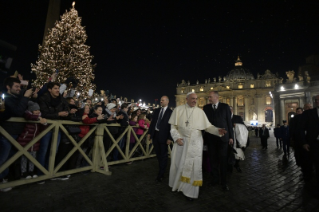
(187, 121)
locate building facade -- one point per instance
(265, 99)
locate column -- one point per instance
(231, 103)
(277, 113)
(235, 105)
(247, 100)
(282, 111)
(301, 102)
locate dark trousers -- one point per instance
(264, 142)
(314, 151)
(161, 150)
(217, 150)
(285, 146)
(278, 142)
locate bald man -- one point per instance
(159, 133)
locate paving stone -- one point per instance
(266, 184)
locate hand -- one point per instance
(43, 120)
(2, 106)
(100, 117)
(20, 77)
(180, 142)
(35, 93)
(110, 118)
(148, 137)
(222, 132)
(231, 141)
(84, 117)
(73, 110)
(53, 76)
(168, 142)
(28, 93)
(63, 113)
(306, 147)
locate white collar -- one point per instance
(215, 104)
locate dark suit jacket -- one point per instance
(221, 118)
(310, 123)
(164, 126)
(266, 135)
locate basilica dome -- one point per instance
(239, 73)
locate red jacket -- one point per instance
(30, 131)
(141, 129)
(85, 128)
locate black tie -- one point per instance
(159, 119)
(214, 107)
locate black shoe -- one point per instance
(159, 179)
(225, 188)
(238, 169)
(189, 199)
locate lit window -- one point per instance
(193, 90)
(182, 91)
(212, 88)
(268, 83)
(282, 88)
(296, 86)
(240, 102)
(268, 100)
(227, 86)
(252, 85)
(201, 89)
(240, 86)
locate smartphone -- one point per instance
(24, 82)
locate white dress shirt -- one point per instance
(216, 105)
(164, 109)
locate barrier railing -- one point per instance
(95, 159)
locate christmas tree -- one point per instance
(64, 51)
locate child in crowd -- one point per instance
(142, 125)
(31, 131)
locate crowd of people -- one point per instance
(190, 130)
(50, 103)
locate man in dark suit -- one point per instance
(159, 133)
(264, 135)
(297, 134)
(218, 115)
(310, 124)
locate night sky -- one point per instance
(144, 48)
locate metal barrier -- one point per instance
(94, 164)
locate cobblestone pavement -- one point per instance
(266, 184)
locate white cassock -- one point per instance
(186, 161)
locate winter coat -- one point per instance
(284, 133)
(50, 112)
(30, 131)
(86, 128)
(15, 106)
(141, 129)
